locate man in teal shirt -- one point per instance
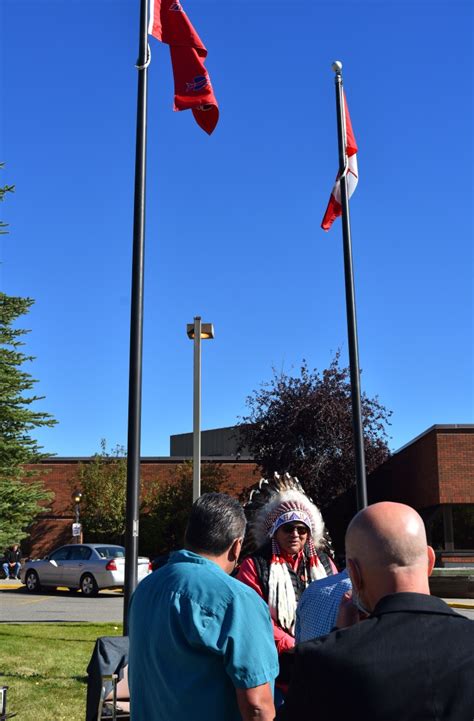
(201, 642)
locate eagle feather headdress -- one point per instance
(264, 503)
(271, 505)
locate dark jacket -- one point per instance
(262, 559)
(12, 556)
(412, 660)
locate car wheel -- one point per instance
(89, 585)
(32, 582)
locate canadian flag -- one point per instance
(334, 209)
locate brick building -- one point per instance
(61, 476)
(434, 473)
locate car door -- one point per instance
(74, 565)
(51, 572)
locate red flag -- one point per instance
(334, 209)
(192, 86)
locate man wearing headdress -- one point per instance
(288, 530)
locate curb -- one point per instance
(455, 604)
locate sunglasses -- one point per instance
(290, 527)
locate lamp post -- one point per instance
(77, 529)
(197, 331)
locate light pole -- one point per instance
(197, 331)
(77, 498)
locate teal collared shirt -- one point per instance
(195, 635)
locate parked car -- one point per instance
(88, 566)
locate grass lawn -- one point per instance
(44, 665)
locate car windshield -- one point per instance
(111, 551)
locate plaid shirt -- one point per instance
(318, 607)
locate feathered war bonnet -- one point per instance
(273, 504)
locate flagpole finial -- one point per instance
(337, 66)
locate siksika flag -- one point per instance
(192, 86)
(334, 209)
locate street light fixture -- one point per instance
(77, 498)
(197, 331)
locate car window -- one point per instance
(111, 551)
(60, 555)
(79, 553)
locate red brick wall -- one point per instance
(456, 467)
(61, 476)
(409, 476)
(436, 468)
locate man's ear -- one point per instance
(431, 560)
(234, 550)
(354, 573)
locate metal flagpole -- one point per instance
(197, 410)
(350, 297)
(136, 323)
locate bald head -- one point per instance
(387, 535)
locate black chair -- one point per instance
(107, 684)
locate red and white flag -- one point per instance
(192, 86)
(334, 209)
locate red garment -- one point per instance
(192, 85)
(248, 574)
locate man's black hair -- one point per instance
(216, 520)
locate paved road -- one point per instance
(19, 606)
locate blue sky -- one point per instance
(233, 220)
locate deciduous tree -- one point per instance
(103, 482)
(303, 424)
(166, 506)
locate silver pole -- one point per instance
(197, 410)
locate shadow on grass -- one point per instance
(41, 677)
(101, 629)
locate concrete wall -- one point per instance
(216, 442)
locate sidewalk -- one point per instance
(9, 585)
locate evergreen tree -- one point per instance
(21, 491)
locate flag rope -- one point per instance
(148, 60)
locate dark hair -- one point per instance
(216, 520)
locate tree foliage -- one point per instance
(166, 506)
(103, 482)
(21, 495)
(303, 425)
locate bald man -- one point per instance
(411, 659)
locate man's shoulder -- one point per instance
(203, 582)
(339, 582)
(407, 613)
(337, 640)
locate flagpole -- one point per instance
(136, 324)
(361, 485)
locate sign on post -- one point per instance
(76, 529)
